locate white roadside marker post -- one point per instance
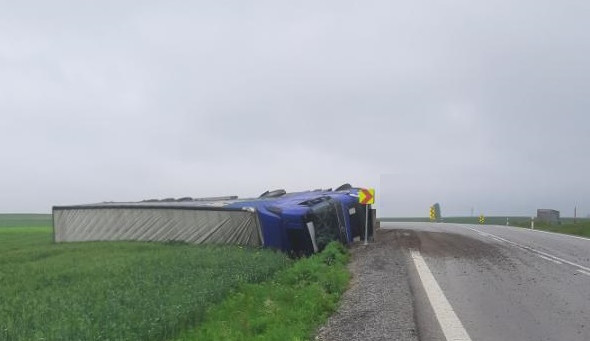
(532, 223)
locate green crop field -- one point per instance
(113, 290)
(25, 220)
(290, 306)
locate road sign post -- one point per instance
(367, 197)
(367, 225)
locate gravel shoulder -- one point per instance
(378, 305)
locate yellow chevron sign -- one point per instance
(367, 196)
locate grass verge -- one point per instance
(116, 290)
(289, 307)
(580, 228)
(489, 220)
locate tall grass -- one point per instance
(288, 307)
(115, 290)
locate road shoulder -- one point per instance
(378, 305)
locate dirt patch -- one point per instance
(384, 297)
(441, 246)
(444, 244)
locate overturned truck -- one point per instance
(299, 223)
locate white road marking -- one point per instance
(587, 273)
(495, 238)
(549, 259)
(449, 322)
(533, 250)
(548, 232)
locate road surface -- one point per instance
(482, 282)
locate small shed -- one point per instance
(548, 216)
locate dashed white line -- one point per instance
(449, 322)
(587, 273)
(496, 238)
(550, 259)
(535, 251)
(548, 232)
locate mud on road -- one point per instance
(386, 300)
(498, 291)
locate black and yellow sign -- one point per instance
(482, 219)
(432, 213)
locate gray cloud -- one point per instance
(472, 104)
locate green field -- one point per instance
(25, 220)
(291, 306)
(580, 228)
(114, 290)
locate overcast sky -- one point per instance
(473, 104)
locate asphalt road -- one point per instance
(495, 282)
